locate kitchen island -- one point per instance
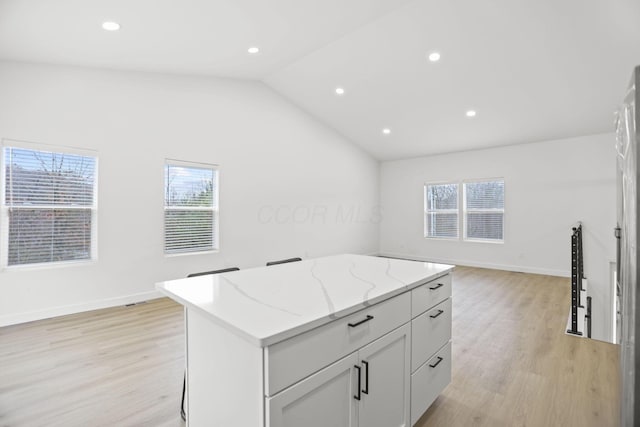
(346, 340)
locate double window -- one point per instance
(480, 210)
(190, 207)
(49, 205)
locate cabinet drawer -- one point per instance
(291, 360)
(430, 294)
(429, 381)
(430, 331)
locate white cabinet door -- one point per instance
(385, 381)
(326, 398)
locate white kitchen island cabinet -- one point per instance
(346, 340)
(369, 388)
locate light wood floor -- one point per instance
(512, 363)
(114, 367)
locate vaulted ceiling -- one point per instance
(532, 70)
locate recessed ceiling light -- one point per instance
(434, 57)
(110, 26)
(471, 113)
(339, 91)
(253, 50)
(386, 131)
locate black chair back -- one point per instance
(283, 261)
(204, 273)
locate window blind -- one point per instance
(191, 208)
(50, 201)
(441, 210)
(484, 210)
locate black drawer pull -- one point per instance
(438, 286)
(353, 325)
(358, 396)
(365, 390)
(436, 315)
(437, 363)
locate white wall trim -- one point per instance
(16, 318)
(516, 268)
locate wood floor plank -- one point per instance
(512, 363)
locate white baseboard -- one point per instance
(13, 319)
(517, 268)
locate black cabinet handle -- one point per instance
(358, 396)
(436, 315)
(365, 390)
(353, 325)
(438, 286)
(435, 364)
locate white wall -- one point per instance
(548, 187)
(289, 186)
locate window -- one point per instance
(190, 207)
(482, 206)
(49, 206)
(441, 211)
(484, 210)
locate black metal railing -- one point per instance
(577, 274)
(588, 317)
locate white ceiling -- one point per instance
(207, 37)
(533, 69)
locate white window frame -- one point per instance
(215, 209)
(436, 211)
(465, 210)
(4, 209)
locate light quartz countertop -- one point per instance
(266, 305)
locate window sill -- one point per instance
(446, 239)
(457, 239)
(181, 254)
(49, 265)
(493, 242)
